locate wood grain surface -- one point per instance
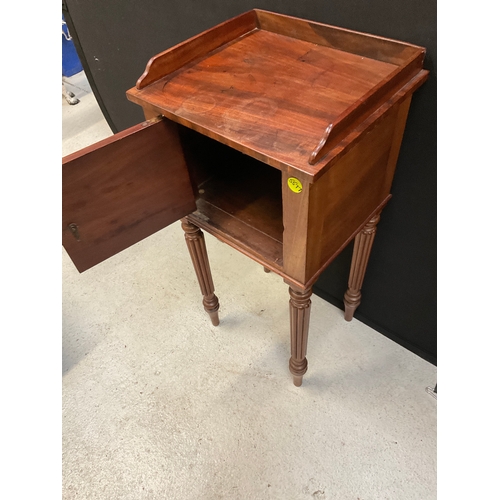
(285, 91)
(123, 189)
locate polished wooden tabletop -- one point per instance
(280, 89)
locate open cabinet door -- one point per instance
(123, 189)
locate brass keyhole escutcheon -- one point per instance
(74, 231)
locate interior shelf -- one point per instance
(237, 196)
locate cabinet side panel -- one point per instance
(343, 199)
(402, 115)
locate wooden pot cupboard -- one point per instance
(276, 135)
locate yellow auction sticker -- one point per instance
(294, 184)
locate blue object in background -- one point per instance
(71, 64)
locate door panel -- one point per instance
(123, 189)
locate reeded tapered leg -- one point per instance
(196, 244)
(361, 253)
(300, 309)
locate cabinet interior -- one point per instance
(236, 195)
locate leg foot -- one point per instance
(361, 253)
(352, 299)
(195, 241)
(300, 309)
(211, 305)
(266, 270)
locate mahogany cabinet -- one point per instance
(276, 135)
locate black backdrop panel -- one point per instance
(115, 39)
